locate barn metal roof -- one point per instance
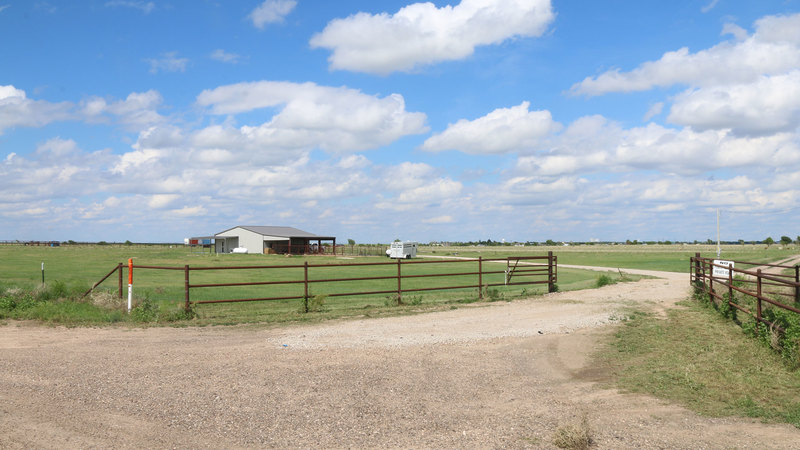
(287, 232)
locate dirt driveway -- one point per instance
(499, 375)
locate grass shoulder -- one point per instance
(699, 359)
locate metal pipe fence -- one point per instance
(397, 277)
(757, 288)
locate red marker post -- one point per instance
(130, 283)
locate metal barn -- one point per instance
(271, 240)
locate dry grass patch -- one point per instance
(574, 436)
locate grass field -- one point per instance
(670, 258)
(73, 269)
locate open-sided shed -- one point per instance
(267, 239)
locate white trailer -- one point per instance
(403, 250)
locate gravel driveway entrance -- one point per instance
(488, 376)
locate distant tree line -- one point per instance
(785, 240)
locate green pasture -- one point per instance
(670, 258)
(75, 268)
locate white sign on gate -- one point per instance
(721, 272)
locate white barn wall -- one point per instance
(253, 242)
(247, 239)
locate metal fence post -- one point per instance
(711, 283)
(399, 277)
(730, 286)
(797, 283)
(305, 287)
(187, 305)
(480, 277)
(758, 299)
(551, 286)
(697, 267)
(119, 269)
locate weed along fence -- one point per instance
(396, 280)
(771, 298)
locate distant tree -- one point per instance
(351, 242)
(397, 240)
(550, 242)
(786, 240)
(769, 241)
(741, 241)
(128, 243)
(798, 240)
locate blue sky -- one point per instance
(152, 121)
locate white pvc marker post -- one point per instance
(130, 283)
(42, 272)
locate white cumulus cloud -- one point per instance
(137, 112)
(767, 105)
(337, 119)
(17, 110)
(774, 48)
(503, 130)
(271, 11)
(421, 34)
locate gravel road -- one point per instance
(484, 376)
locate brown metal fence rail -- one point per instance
(769, 287)
(523, 270)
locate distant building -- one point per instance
(271, 240)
